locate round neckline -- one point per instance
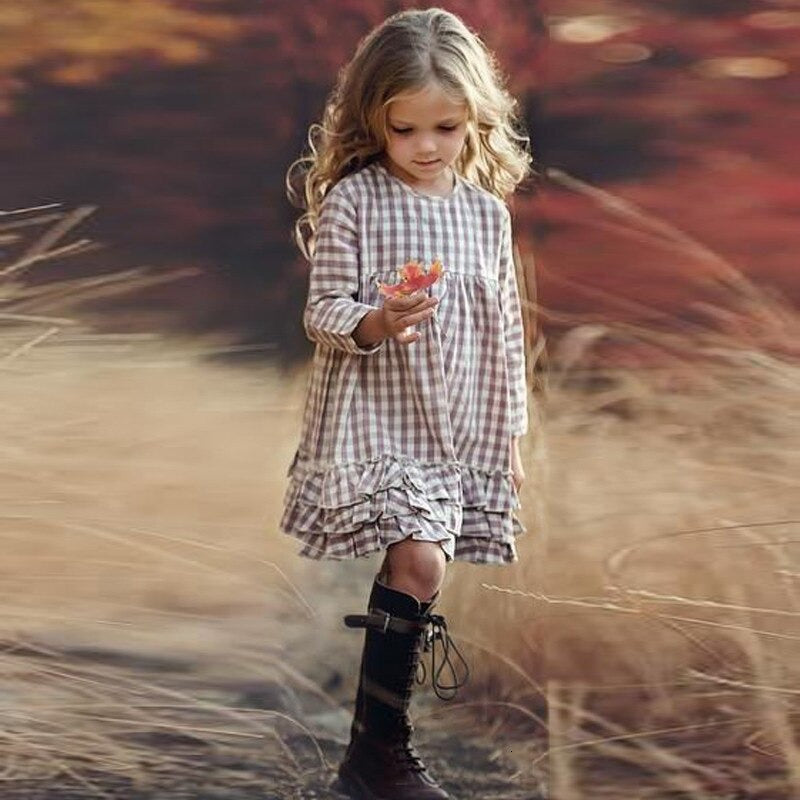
(411, 190)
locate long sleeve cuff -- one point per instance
(331, 321)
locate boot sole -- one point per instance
(354, 789)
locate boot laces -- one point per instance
(402, 749)
(437, 632)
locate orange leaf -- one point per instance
(412, 278)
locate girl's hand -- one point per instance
(517, 470)
(398, 314)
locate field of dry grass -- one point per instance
(651, 625)
(154, 622)
(654, 621)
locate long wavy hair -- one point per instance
(406, 52)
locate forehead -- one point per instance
(430, 103)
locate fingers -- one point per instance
(413, 319)
(407, 336)
(409, 311)
(403, 303)
(411, 302)
(421, 310)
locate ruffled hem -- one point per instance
(353, 509)
(488, 538)
(374, 538)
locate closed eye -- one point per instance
(447, 128)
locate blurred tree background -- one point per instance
(178, 119)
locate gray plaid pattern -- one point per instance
(410, 440)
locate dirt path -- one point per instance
(255, 705)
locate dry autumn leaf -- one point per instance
(413, 277)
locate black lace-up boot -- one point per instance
(380, 762)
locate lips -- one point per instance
(427, 163)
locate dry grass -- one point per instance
(140, 562)
(652, 622)
(648, 635)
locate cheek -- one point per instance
(398, 146)
(458, 142)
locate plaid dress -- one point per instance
(410, 440)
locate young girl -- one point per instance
(416, 404)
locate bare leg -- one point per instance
(417, 568)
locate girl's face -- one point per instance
(425, 133)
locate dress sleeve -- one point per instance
(332, 313)
(513, 330)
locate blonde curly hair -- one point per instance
(406, 52)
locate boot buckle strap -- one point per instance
(382, 621)
(386, 618)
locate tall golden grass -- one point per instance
(645, 645)
(649, 634)
(139, 572)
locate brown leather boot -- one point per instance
(380, 762)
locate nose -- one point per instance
(427, 145)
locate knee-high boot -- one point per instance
(380, 762)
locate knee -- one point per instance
(417, 567)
